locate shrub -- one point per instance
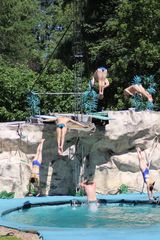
(5, 194)
(123, 189)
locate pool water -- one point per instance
(108, 216)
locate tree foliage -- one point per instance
(14, 83)
(124, 35)
(17, 81)
(126, 39)
(17, 21)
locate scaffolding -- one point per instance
(78, 54)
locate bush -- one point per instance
(80, 193)
(123, 189)
(5, 194)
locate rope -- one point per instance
(52, 54)
(1, 146)
(20, 134)
(76, 163)
(83, 166)
(78, 159)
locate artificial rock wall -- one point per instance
(108, 154)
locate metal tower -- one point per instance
(78, 54)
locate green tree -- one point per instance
(18, 19)
(125, 36)
(56, 79)
(15, 83)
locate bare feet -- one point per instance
(59, 151)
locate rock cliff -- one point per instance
(108, 154)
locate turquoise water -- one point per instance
(105, 216)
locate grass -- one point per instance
(10, 238)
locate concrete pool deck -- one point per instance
(151, 232)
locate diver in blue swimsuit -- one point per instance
(35, 170)
(102, 69)
(62, 130)
(60, 125)
(145, 174)
(143, 165)
(36, 163)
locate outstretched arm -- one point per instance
(139, 153)
(50, 120)
(142, 162)
(78, 123)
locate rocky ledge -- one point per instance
(107, 154)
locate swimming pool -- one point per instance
(135, 220)
(108, 216)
